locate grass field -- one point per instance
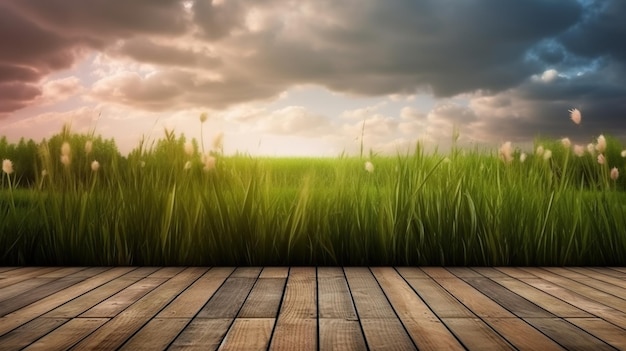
(173, 204)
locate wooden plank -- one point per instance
(42, 306)
(601, 329)
(297, 319)
(541, 298)
(275, 272)
(115, 304)
(190, 301)
(463, 272)
(141, 272)
(4, 271)
(568, 335)
(119, 329)
(29, 332)
(264, 299)
(247, 272)
(516, 304)
(157, 334)
(380, 324)
(610, 314)
(438, 272)
(16, 302)
(25, 273)
(88, 300)
(581, 289)
(515, 272)
(619, 270)
(522, 335)
(80, 272)
(592, 280)
(439, 299)
(334, 297)
(341, 334)
(201, 334)
(600, 274)
(386, 334)
(423, 326)
(166, 272)
(473, 299)
(22, 287)
(369, 299)
(476, 335)
(338, 322)
(67, 335)
(249, 334)
(412, 272)
(489, 272)
(228, 299)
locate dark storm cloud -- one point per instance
(256, 50)
(448, 47)
(602, 32)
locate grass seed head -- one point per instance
(591, 149)
(88, 146)
(566, 143)
(203, 117)
(65, 160)
(369, 167)
(601, 159)
(579, 150)
(623, 153)
(44, 173)
(95, 166)
(187, 165)
(7, 166)
(539, 150)
(614, 173)
(601, 145)
(522, 157)
(506, 152)
(66, 149)
(547, 154)
(574, 115)
(209, 163)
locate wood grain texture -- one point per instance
(308, 308)
(248, 334)
(67, 335)
(297, 319)
(423, 326)
(44, 305)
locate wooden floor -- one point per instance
(308, 308)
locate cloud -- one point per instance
(165, 53)
(520, 64)
(16, 95)
(61, 89)
(293, 120)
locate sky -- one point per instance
(314, 77)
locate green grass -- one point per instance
(463, 208)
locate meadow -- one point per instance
(74, 200)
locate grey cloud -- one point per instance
(16, 95)
(602, 32)
(101, 18)
(146, 50)
(388, 47)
